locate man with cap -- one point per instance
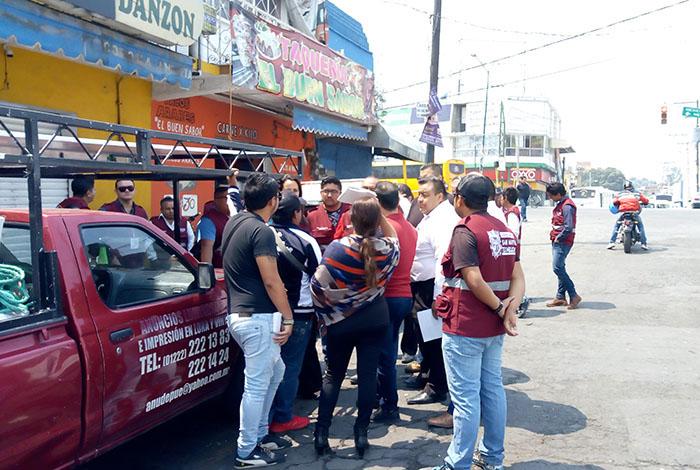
(211, 226)
(523, 195)
(125, 190)
(484, 284)
(298, 256)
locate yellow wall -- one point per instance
(46, 81)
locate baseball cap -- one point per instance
(475, 189)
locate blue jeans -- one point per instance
(473, 367)
(292, 356)
(559, 253)
(399, 308)
(640, 225)
(264, 370)
(523, 209)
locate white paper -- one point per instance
(351, 195)
(430, 327)
(276, 322)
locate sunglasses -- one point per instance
(124, 189)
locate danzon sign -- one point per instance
(283, 62)
(165, 22)
(176, 21)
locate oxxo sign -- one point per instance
(172, 21)
(528, 173)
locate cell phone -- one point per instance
(276, 322)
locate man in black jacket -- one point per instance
(298, 256)
(523, 196)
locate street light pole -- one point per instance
(434, 65)
(486, 109)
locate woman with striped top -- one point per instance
(348, 290)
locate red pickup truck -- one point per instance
(138, 337)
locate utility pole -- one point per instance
(697, 151)
(434, 65)
(486, 109)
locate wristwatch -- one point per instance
(289, 322)
(498, 309)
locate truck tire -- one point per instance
(628, 241)
(234, 392)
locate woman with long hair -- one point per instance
(348, 290)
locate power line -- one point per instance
(549, 44)
(512, 82)
(467, 23)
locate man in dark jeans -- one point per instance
(297, 260)
(255, 293)
(398, 297)
(523, 197)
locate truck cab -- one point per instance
(108, 326)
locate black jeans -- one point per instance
(310, 376)
(365, 331)
(409, 339)
(432, 350)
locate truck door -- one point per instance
(165, 344)
(40, 371)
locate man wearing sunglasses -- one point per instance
(125, 190)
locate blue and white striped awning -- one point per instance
(34, 26)
(325, 126)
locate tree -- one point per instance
(673, 175)
(610, 178)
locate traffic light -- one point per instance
(664, 114)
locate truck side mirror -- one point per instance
(205, 276)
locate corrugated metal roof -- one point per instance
(346, 34)
(315, 123)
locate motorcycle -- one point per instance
(628, 233)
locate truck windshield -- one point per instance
(15, 272)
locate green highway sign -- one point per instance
(691, 112)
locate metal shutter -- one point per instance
(13, 192)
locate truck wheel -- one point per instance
(234, 392)
(628, 241)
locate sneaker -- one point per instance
(611, 246)
(260, 457)
(297, 422)
(645, 247)
(353, 379)
(407, 358)
(273, 442)
(479, 462)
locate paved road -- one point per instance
(613, 385)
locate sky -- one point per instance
(608, 87)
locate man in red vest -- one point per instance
(324, 220)
(166, 222)
(83, 188)
(562, 237)
(211, 226)
(484, 284)
(125, 190)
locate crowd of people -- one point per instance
(353, 276)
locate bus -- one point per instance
(592, 196)
(402, 171)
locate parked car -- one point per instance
(695, 202)
(139, 336)
(661, 201)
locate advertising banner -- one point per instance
(431, 132)
(286, 63)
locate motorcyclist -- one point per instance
(629, 201)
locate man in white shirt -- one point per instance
(166, 222)
(434, 234)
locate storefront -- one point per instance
(52, 60)
(214, 118)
